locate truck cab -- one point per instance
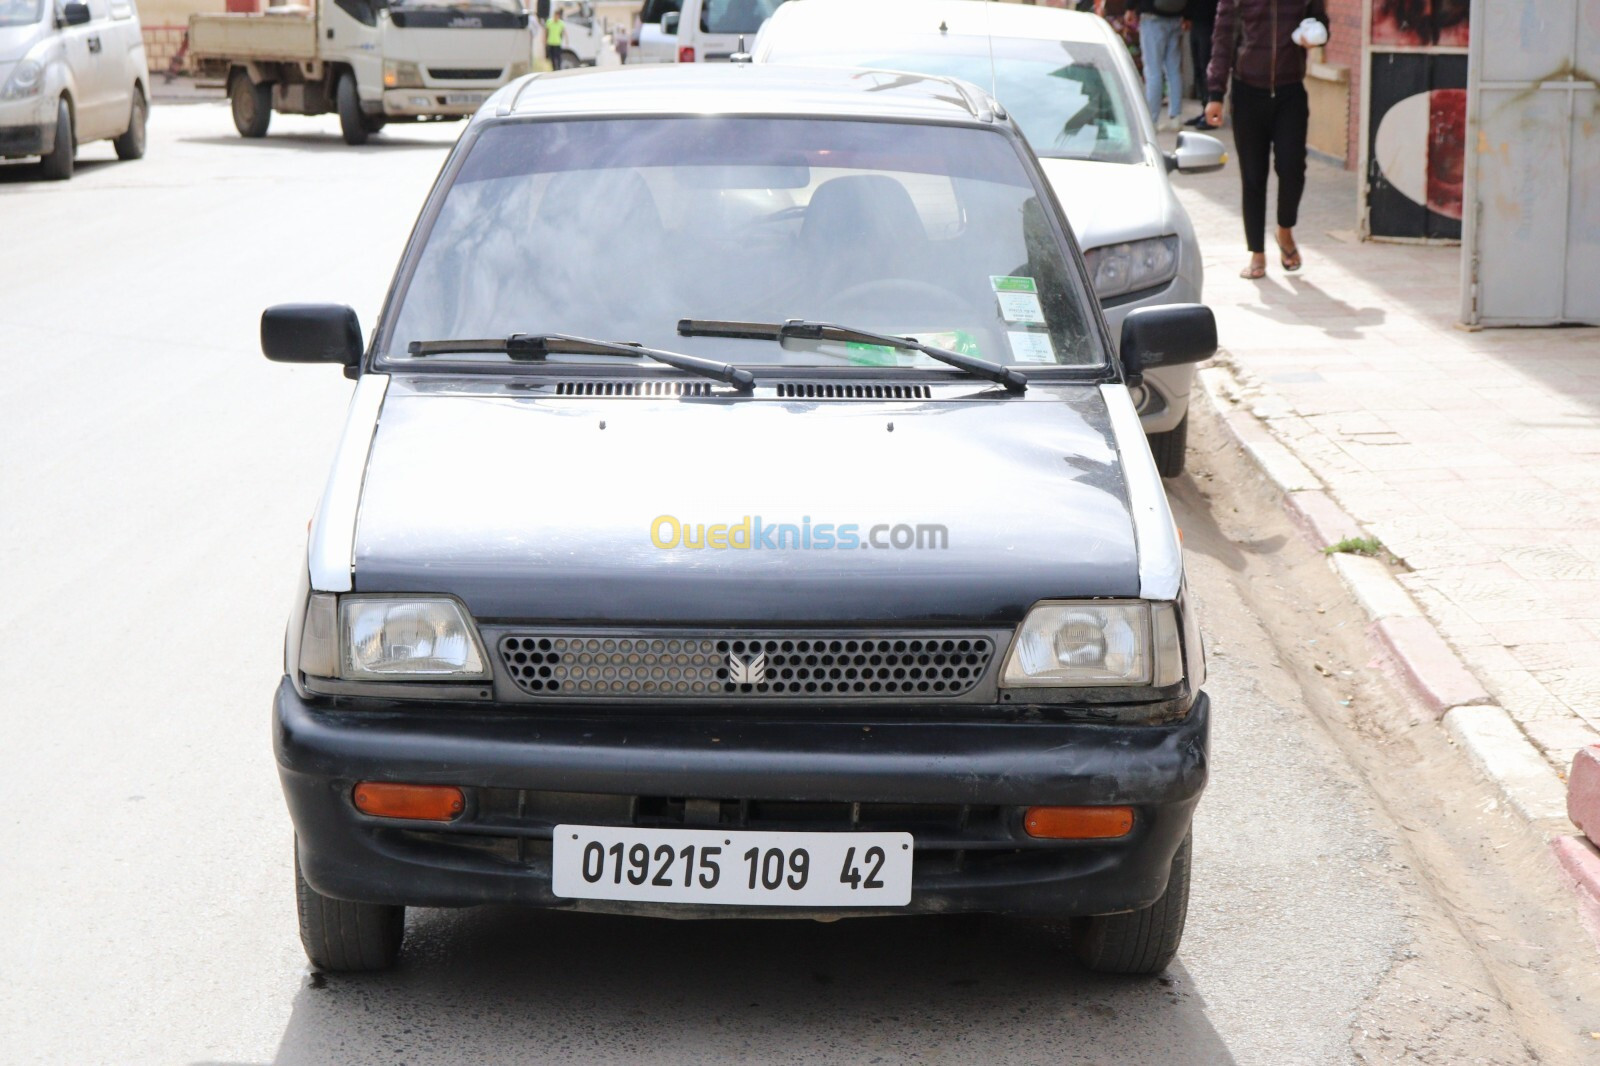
(370, 61)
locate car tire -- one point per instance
(1140, 942)
(1169, 448)
(252, 106)
(58, 165)
(131, 144)
(352, 123)
(570, 60)
(344, 937)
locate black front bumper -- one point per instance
(959, 786)
(28, 139)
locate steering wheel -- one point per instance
(898, 294)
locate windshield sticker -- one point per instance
(1001, 283)
(1021, 307)
(1031, 347)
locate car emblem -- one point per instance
(752, 671)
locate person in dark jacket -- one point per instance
(1202, 16)
(1255, 55)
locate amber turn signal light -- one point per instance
(423, 803)
(1078, 823)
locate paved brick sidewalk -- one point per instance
(1473, 456)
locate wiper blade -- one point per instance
(802, 329)
(532, 348)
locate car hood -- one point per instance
(14, 44)
(1111, 202)
(540, 508)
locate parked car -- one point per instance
(709, 31)
(651, 42)
(1067, 81)
(71, 75)
(787, 545)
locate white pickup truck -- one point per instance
(371, 61)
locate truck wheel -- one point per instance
(252, 106)
(343, 937)
(131, 144)
(1142, 941)
(351, 122)
(1170, 447)
(570, 60)
(57, 166)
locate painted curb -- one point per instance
(1580, 863)
(1583, 791)
(1493, 741)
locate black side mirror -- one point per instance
(312, 333)
(1166, 336)
(74, 13)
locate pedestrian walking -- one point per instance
(1258, 53)
(1161, 27)
(1202, 16)
(555, 34)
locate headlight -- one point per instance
(1096, 643)
(390, 638)
(1119, 268)
(401, 74)
(25, 80)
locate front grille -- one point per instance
(816, 391)
(794, 665)
(464, 73)
(633, 388)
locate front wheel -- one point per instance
(1169, 448)
(570, 61)
(131, 144)
(352, 123)
(252, 106)
(344, 937)
(1142, 941)
(57, 166)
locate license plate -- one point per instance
(739, 868)
(463, 99)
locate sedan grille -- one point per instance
(794, 665)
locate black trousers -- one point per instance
(1200, 55)
(1270, 127)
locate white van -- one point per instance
(71, 74)
(710, 30)
(650, 41)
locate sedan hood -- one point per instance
(534, 508)
(1111, 202)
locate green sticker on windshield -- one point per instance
(958, 340)
(1008, 284)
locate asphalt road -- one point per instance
(1356, 898)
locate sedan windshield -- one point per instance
(1066, 96)
(619, 229)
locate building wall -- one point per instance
(1344, 50)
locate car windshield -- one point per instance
(20, 13)
(1066, 96)
(617, 229)
(736, 16)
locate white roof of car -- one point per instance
(844, 21)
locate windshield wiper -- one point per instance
(532, 348)
(801, 329)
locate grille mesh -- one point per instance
(633, 388)
(824, 391)
(788, 666)
(465, 73)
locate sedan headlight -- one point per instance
(401, 74)
(1096, 643)
(390, 638)
(25, 80)
(1119, 268)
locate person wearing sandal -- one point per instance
(1258, 51)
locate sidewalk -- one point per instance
(1474, 457)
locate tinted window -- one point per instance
(736, 16)
(618, 229)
